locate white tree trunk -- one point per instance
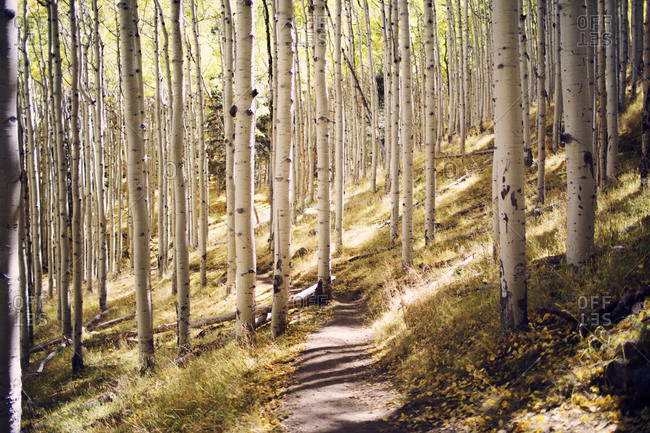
(339, 137)
(77, 229)
(541, 102)
(509, 142)
(10, 372)
(137, 175)
(612, 93)
(395, 124)
(578, 112)
(181, 241)
(430, 128)
(229, 137)
(407, 131)
(244, 164)
(322, 143)
(283, 168)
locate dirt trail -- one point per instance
(336, 387)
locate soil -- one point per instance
(337, 388)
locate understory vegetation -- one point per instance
(436, 325)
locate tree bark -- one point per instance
(430, 124)
(407, 131)
(339, 137)
(283, 168)
(645, 159)
(77, 229)
(10, 174)
(244, 160)
(137, 174)
(612, 93)
(509, 155)
(181, 241)
(322, 143)
(578, 137)
(541, 102)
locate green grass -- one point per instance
(437, 324)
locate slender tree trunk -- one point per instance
(637, 42)
(395, 127)
(509, 144)
(339, 161)
(581, 192)
(602, 97)
(541, 103)
(229, 137)
(163, 208)
(77, 230)
(10, 371)
(645, 159)
(62, 191)
(283, 168)
(523, 71)
(557, 99)
(407, 136)
(34, 187)
(612, 95)
(623, 44)
(203, 184)
(244, 162)
(181, 240)
(430, 125)
(137, 175)
(322, 143)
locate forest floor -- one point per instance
(417, 350)
(336, 387)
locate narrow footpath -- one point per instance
(336, 387)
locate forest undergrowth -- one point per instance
(436, 325)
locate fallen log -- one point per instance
(111, 322)
(97, 318)
(461, 155)
(44, 346)
(47, 359)
(297, 300)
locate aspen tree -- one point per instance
(374, 128)
(578, 112)
(181, 248)
(283, 167)
(523, 71)
(645, 160)
(244, 162)
(162, 160)
(602, 98)
(395, 123)
(624, 39)
(612, 93)
(35, 210)
(322, 144)
(77, 230)
(407, 130)
(10, 174)
(339, 162)
(63, 282)
(637, 42)
(137, 175)
(202, 161)
(541, 102)
(430, 128)
(229, 137)
(509, 143)
(557, 98)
